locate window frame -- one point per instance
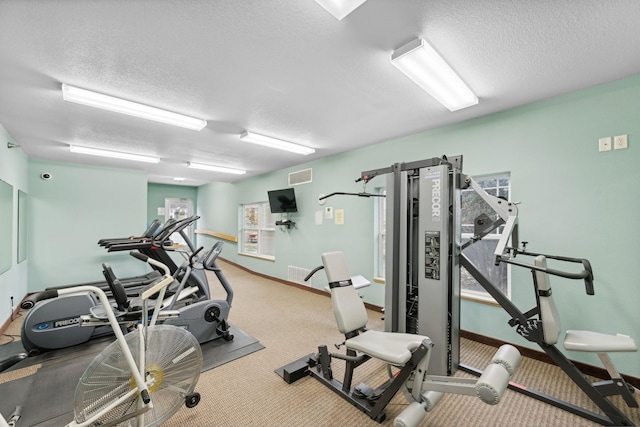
(379, 220)
(265, 225)
(483, 296)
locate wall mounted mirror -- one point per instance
(6, 225)
(22, 226)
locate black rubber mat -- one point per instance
(47, 396)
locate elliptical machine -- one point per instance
(206, 320)
(55, 323)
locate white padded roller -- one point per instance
(507, 356)
(411, 416)
(430, 399)
(492, 383)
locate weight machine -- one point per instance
(424, 254)
(422, 262)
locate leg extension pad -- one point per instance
(415, 412)
(495, 378)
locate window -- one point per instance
(257, 230)
(380, 223)
(481, 252)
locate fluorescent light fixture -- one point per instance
(111, 103)
(422, 64)
(340, 8)
(267, 141)
(216, 168)
(113, 154)
(178, 179)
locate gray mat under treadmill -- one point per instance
(47, 396)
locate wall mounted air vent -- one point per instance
(301, 177)
(297, 275)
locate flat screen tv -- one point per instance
(282, 201)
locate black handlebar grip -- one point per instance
(193, 255)
(588, 284)
(588, 281)
(312, 272)
(40, 296)
(145, 396)
(140, 256)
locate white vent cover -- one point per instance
(301, 177)
(297, 275)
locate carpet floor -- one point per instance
(290, 323)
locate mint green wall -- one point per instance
(575, 202)
(13, 170)
(301, 246)
(156, 193)
(71, 212)
(218, 210)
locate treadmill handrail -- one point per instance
(159, 240)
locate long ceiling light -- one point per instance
(267, 141)
(422, 64)
(340, 8)
(111, 103)
(113, 154)
(216, 168)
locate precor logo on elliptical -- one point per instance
(66, 322)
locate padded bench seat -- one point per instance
(596, 342)
(393, 348)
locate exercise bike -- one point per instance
(407, 354)
(147, 374)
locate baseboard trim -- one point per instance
(541, 356)
(11, 318)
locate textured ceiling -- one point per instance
(284, 68)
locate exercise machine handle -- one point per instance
(212, 255)
(142, 257)
(194, 255)
(586, 274)
(588, 281)
(145, 258)
(314, 271)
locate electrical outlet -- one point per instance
(620, 142)
(604, 144)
